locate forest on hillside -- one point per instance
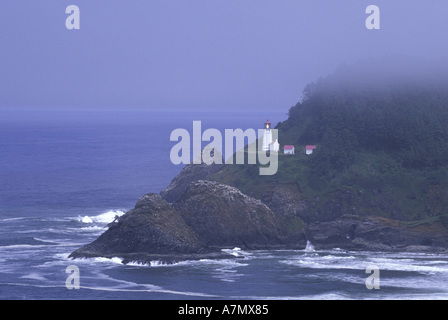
(363, 108)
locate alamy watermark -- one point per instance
(73, 20)
(73, 280)
(372, 22)
(373, 281)
(261, 151)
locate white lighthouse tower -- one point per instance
(267, 137)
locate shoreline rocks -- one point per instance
(351, 232)
(152, 227)
(208, 217)
(195, 218)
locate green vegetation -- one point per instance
(377, 135)
(383, 140)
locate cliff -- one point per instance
(208, 217)
(338, 218)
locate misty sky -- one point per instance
(198, 54)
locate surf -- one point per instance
(106, 217)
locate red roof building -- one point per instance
(309, 149)
(288, 149)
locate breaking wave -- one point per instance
(106, 217)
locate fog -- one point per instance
(206, 55)
(379, 74)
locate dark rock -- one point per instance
(375, 233)
(193, 172)
(223, 216)
(152, 227)
(208, 217)
(190, 173)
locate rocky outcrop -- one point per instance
(190, 173)
(208, 217)
(376, 234)
(153, 230)
(201, 168)
(224, 216)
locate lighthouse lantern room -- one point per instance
(267, 137)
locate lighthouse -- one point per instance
(267, 136)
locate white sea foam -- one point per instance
(309, 247)
(331, 257)
(217, 263)
(12, 219)
(86, 219)
(120, 285)
(22, 246)
(410, 265)
(236, 252)
(155, 263)
(353, 262)
(221, 269)
(45, 241)
(114, 260)
(58, 259)
(34, 276)
(115, 289)
(106, 217)
(93, 228)
(182, 293)
(323, 296)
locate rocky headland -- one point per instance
(208, 217)
(377, 180)
(205, 216)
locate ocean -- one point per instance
(64, 175)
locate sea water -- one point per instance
(65, 175)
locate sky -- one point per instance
(207, 55)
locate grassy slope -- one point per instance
(413, 196)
